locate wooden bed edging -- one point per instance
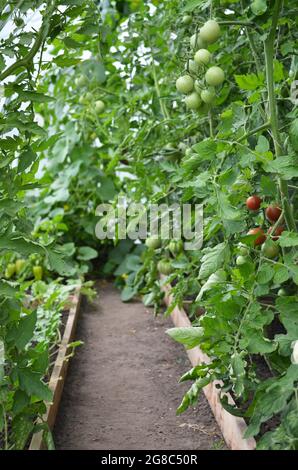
(232, 427)
(59, 371)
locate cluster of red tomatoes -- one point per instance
(273, 214)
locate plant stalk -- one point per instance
(272, 113)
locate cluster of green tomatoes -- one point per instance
(173, 247)
(201, 92)
(88, 97)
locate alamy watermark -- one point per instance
(137, 221)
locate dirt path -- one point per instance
(122, 387)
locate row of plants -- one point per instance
(233, 148)
(92, 111)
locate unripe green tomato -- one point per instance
(10, 270)
(202, 57)
(153, 243)
(81, 80)
(193, 101)
(210, 32)
(258, 7)
(89, 96)
(82, 99)
(185, 84)
(240, 260)
(165, 267)
(193, 67)
(196, 42)
(243, 250)
(99, 106)
(176, 246)
(186, 19)
(270, 249)
(37, 272)
(208, 96)
(282, 292)
(20, 263)
(215, 76)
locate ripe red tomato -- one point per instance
(277, 232)
(253, 203)
(259, 240)
(273, 213)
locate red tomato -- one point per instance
(259, 240)
(277, 232)
(273, 213)
(253, 203)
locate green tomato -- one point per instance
(210, 32)
(176, 246)
(99, 106)
(186, 19)
(153, 243)
(196, 42)
(185, 84)
(165, 267)
(282, 292)
(81, 80)
(89, 96)
(258, 7)
(37, 272)
(215, 76)
(10, 270)
(193, 101)
(208, 96)
(202, 57)
(20, 263)
(240, 260)
(243, 250)
(270, 249)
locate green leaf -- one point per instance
(192, 4)
(189, 336)
(284, 166)
(214, 259)
(288, 239)
(20, 245)
(23, 332)
(30, 382)
(26, 159)
(59, 264)
(86, 253)
(250, 81)
(265, 274)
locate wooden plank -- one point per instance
(59, 371)
(232, 427)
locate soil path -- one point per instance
(122, 387)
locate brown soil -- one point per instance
(122, 387)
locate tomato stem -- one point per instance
(272, 112)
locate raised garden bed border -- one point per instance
(59, 371)
(232, 427)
